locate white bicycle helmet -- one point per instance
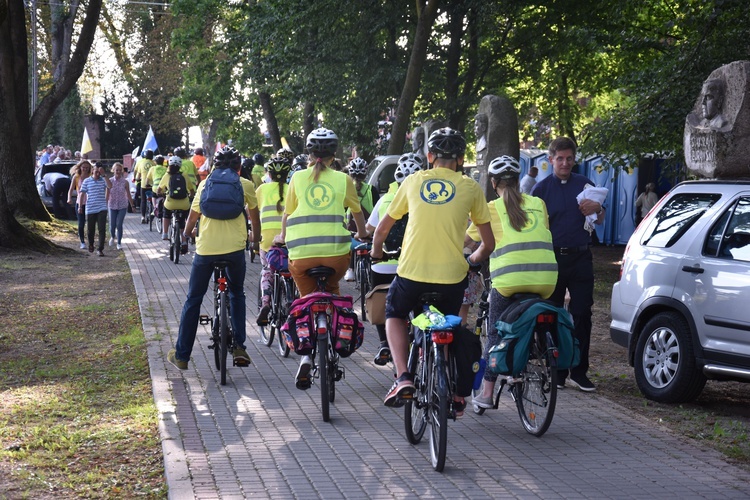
(504, 167)
(407, 165)
(358, 167)
(175, 160)
(322, 142)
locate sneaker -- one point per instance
(240, 356)
(349, 276)
(119, 247)
(459, 405)
(403, 388)
(263, 315)
(483, 402)
(111, 241)
(100, 253)
(303, 373)
(83, 246)
(165, 236)
(383, 356)
(560, 385)
(143, 220)
(177, 363)
(91, 248)
(583, 383)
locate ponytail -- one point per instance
(513, 200)
(282, 183)
(319, 165)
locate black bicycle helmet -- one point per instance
(258, 159)
(278, 168)
(148, 154)
(322, 142)
(504, 167)
(300, 161)
(159, 159)
(180, 151)
(227, 157)
(357, 167)
(446, 143)
(286, 153)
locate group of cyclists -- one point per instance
(437, 217)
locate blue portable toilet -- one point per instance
(602, 175)
(544, 166)
(626, 192)
(529, 157)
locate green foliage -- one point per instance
(65, 128)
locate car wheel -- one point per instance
(665, 368)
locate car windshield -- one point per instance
(676, 217)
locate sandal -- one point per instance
(459, 406)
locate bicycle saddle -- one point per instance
(320, 272)
(218, 264)
(430, 297)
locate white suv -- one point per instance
(682, 304)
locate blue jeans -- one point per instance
(201, 275)
(116, 218)
(81, 222)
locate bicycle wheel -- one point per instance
(280, 314)
(415, 418)
(159, 225)
(215, 333)
(176, 240)
(150, 216)
(325, 379)
(266, 331)
(363, 277)
(437, 405)
(536, 393)
(224, 331)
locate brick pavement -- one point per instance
(259, 436)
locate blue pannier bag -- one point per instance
(223, 197)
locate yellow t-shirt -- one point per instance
(270, 193)
(218, 237)
(169, 202)
(438, 202)
(141, 169)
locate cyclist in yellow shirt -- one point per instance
(172, 203)
(140, 171)
(219, 239)
(438, 202)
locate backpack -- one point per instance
(177, 187)
(223, 197)
(395, 236)
(516, 326)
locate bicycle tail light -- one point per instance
(222, 284)
(546, 318)
(442, 336)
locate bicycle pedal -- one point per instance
(205, 319)
(339, 375)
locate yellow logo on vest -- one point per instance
(319, 196)
(437, 191)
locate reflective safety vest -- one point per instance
(268, 196)
(366, 199)
(393, 187)
(316, 228)
(190, 172)
(157, 172)
(524, 261)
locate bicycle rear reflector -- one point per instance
(442, 336)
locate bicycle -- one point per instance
(222, 334)
(150, 213)
(433, 367)
(283, 293)
(363, 264)
(534, 390)
(157, 214)
(326, 368)
(175, 235)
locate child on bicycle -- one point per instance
(523, 260)
(368, 196)
(438, 202)
(271, 199)
(384, 272)
(172, 202)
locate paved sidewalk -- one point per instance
(259, 436)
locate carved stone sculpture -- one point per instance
(717, 131)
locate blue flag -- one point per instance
(150, 142)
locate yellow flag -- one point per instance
(86, 143)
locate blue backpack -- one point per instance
(223, 197)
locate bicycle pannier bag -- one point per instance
(375, 304)
(299, 332)
(177, 187)
(467, 351)
(278, 258)
(509, 357)
(223, 197)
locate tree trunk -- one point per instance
(453, 58)
(271, 122)
(18, 135)
(309, 120)
(410, 91)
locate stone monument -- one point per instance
(717, 131)
(496, 126)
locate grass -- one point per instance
(77, 417)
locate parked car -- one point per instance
(682, 303)
(381, 171)
(62, 167)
